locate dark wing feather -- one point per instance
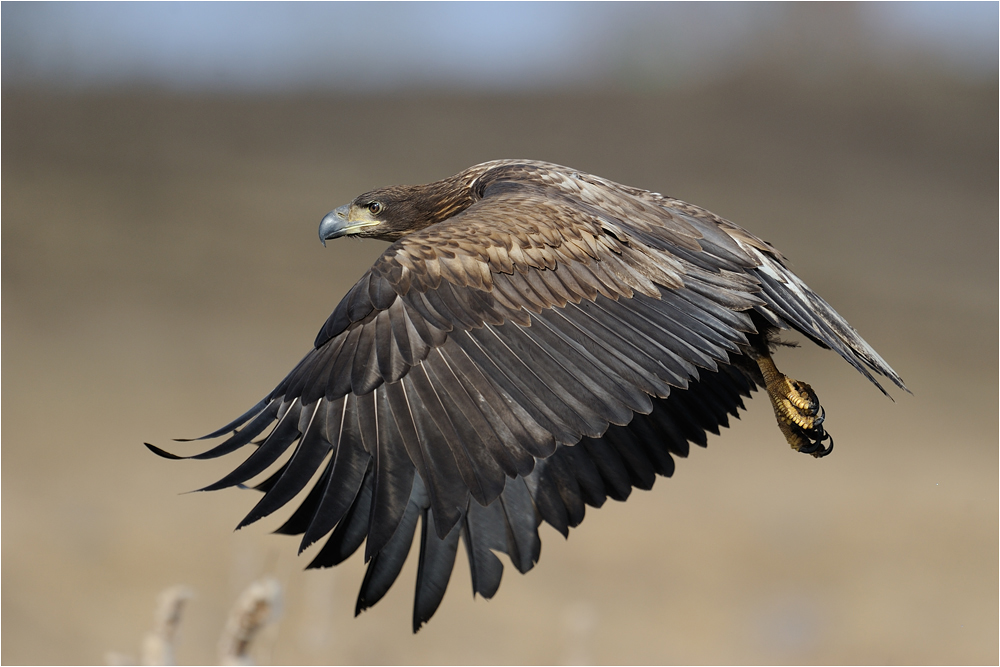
(394, 474)
(385, 565)
(483, 531)
(437, 558)
(294, 476)
(350, 462)
(555, 344)
(350, 531)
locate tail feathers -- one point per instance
(790, 302)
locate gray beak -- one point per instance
(334, 224)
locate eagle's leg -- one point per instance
(796, 407)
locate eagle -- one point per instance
(535, 340)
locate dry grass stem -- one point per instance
(159, 645)
(255, 609)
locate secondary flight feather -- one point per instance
(534, 340)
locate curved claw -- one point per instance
(821, 417)
(815, 441)
(818, 450)
(823, 452)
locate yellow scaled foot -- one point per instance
(799, 414)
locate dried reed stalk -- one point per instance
(257, 607)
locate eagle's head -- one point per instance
(391, 213)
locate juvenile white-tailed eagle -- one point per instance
(536, 339)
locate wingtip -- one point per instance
(205, 437)
(163, 453)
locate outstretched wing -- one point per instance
(553, 345)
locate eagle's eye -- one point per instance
(374, 207)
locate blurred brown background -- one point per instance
(161, 272)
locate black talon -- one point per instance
(821, 417)
(825, 451)
(815, 438)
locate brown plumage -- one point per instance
(536, 339)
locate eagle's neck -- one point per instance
(442, 199)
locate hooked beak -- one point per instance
(334, 224)
(337, 223)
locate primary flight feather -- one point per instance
(534, 340)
